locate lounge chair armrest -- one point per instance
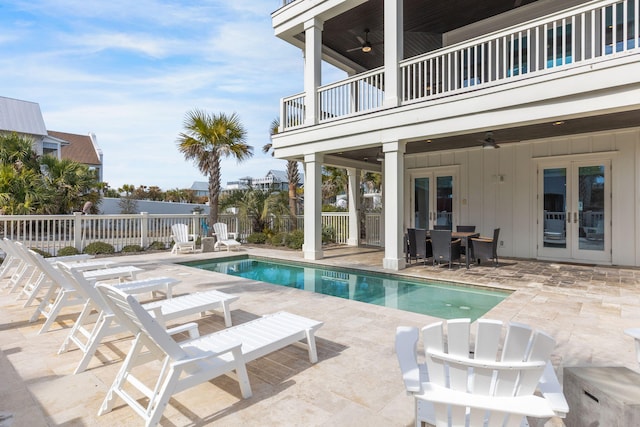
(227, 348)
(232, 235)
(192, 237)
(534, 406)
(191, 327)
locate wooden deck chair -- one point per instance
(223, 237)
(61, 293)
(87, 332)
(480, 385)
(194, 361)
(182, 240)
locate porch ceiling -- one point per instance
(425, 22)
(502, 137)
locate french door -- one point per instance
(432, 199)
(574, 205)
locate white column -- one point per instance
(393, 51)
(354, 207)
(312, 247)
(393, 205)
(312, 68)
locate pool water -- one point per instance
(434, 299)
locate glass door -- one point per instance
(433, 201)
(575, 206)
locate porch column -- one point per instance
(312, 247)
(312, 68)
(393, 205)
(354, 207)
(393, 51)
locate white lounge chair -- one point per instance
(87, 332)
(61, 293)
(635, 334)
(197, 360)
(182, 240)
(223, 237)
(463, 387)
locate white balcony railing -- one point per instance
(591, 32)
(364, 92)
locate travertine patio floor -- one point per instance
(356, 381)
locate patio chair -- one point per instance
(223, 237)
(87, 332)
(444, 248)
(418, 247)
(196, 360)
(182, 241)
(61, 293)
(485, 248)
(479, 385)
(465, 229)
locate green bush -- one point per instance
(97, 248)
(157, 246)
(328, 234)
(44, 254)
(257, 238)
(132, 248)
(295, 239)
(279, 239)
(68, 251)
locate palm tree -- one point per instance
(293, 176)
(207, 139)
(71, 183)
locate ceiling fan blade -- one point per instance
(354, 49)
(360, 39)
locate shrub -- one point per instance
(328, 234)
(157, 246)
(132, 248)
(44, 254)
(97, 248)
(295, 239)
(257, 238)
(280, 239)
(68, 251)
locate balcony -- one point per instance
(586, 34)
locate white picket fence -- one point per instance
(51, 233)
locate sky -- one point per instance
(129, 71)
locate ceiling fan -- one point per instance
(489, 142)
(365, 44)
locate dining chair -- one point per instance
(466, 228)
(417, 242)
(444, 248)
(485, 248)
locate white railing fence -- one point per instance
(587, 33)
(51, 233)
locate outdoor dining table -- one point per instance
(464, 236)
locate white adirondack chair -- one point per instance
(182, 241)
(223, 237)
(197, 360)
(87, 332)
(481, 386)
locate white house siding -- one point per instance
(483, 199)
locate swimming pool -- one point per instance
(441, 300)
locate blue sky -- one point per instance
(129, 71)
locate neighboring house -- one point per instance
(273, 180)
(433, 88)
(25, 118)
(82, 149)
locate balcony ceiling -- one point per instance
(424, 24)
(503, 137)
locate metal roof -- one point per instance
(22, 117)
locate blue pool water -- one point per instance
(435, 299)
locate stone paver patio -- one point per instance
(356, 381)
